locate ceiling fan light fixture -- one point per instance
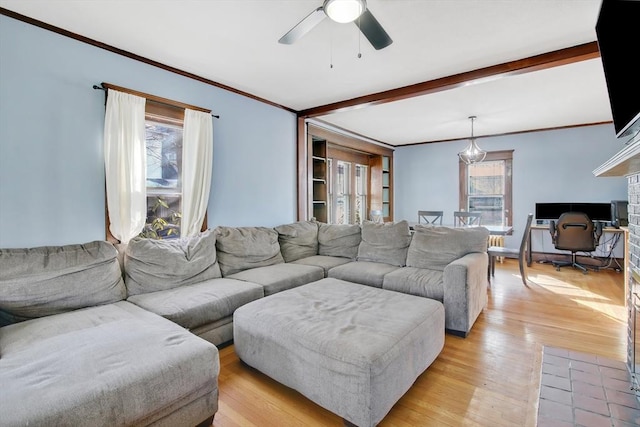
(473, 153)
(343, 11)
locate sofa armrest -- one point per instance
(465, 291)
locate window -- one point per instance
(347, 192)
(360, 209)
(339, 191)
(158, 156)
(486, 187)
(163, 134)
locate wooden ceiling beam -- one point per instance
(556, 58)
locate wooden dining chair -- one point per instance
(466, 219)
(430, 217)
(376, 216)
(519, 253)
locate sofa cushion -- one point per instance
(339, 240)
(110, 365)
(387, 242)
(324, 261)
(242, 248)
(276, 278)
(435, 247)
(416, 281)
(152, 265)
(298, 240)
(199, 304)
(363, 272)
(42, 281)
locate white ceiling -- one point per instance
(234, 42)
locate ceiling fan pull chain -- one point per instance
(331, 51)
(359, 38)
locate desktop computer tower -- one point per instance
(619, 213)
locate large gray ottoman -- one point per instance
(352, 349)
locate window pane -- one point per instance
(164, 155)
(361, 194)
(486, 188)
(164, 183)
(486, 177)
(163, 216)
(491, 207)
(342, 193)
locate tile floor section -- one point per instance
(578, 389)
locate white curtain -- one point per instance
(197, 161)
(125, 164)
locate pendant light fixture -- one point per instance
(473, 153)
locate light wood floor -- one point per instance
(490, 378)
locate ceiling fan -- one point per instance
(342, 11)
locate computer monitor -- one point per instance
(546, 211)
(595, 211)
(619, 213)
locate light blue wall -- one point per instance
(51, 124)
(549, 166)
(51, 161)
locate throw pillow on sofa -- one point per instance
(341, 240)
(435, 247)
(156, 265)
(298, 240)
(387, 242)
(242, 248)
(47, 280)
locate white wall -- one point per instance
(549, 166)
(51, 150)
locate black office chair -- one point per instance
(519, 253)
(575, 232)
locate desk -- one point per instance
(545, 227)
(496, 230)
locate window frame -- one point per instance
(159, 109)
(336, 153)
(463, 176)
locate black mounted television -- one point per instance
(618, 34)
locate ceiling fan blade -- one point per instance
(304, 26)
(373, 31)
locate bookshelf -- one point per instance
(386, 187)
(382, 185)
(318, 180)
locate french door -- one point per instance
(348, 191)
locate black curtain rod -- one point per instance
(105, 89)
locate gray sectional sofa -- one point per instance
(441, 263)
(73, 352)
(84, 340)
